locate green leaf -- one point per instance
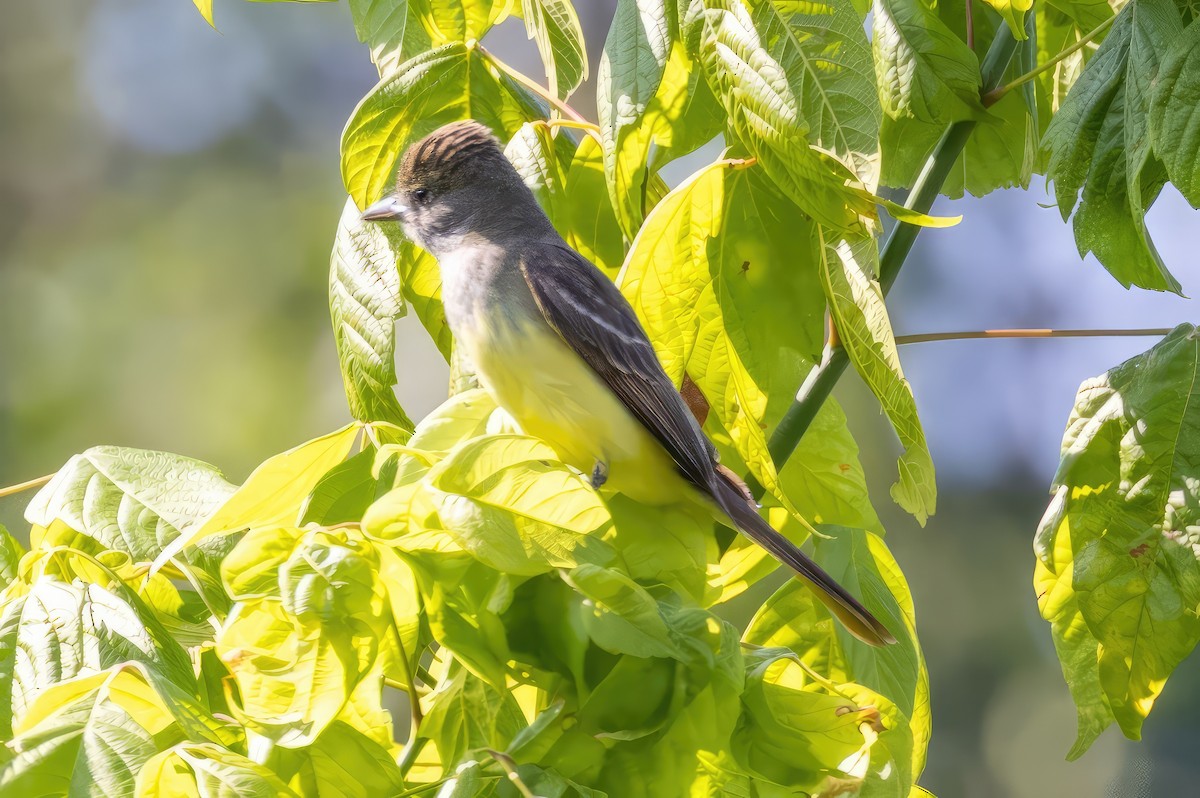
(343, 494)
(669, 545)
(619, 615)
(1175, 94)
(58, 631)
(299, 644)
(292, 678)
(554, 25)
(792, 731)
(1100, 141)
(728, 292)
(824, 478)
(923, 70)
(631, 69)
(570, 187)
(366, 297)
(508, 501)
(826, 60)
(860, 316)
(861, 562)
(390, 30)
(90, 736)
(1002, 150)
(792, 618)
(202, 769)
(466, 713)
(10, 556)
(1116, 576)
(431, 89)
(459, 20)
(592, 227)
(343, 763)
(463, 599)
(130, 500)
(812, 136)
(272, 495)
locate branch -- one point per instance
(920, 338)
(820, 381)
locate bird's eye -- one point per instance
(421, 195)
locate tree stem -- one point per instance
(993, 96)
(12, 490)
(820, 381)
(919, 338)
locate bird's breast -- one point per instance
(555, 396)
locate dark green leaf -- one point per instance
(1099, 141)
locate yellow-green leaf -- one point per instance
(861, 319)
(274, 493)
(1117, 575)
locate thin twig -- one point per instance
(993, 96)
(12, 490)
(919, 338)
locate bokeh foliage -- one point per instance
(169, 633)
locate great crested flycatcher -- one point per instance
(558, 347)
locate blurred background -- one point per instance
(168, 197)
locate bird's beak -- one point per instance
(388, 209)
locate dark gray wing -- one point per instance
(589, 313)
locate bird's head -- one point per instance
(454, 182)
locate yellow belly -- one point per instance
(555, 396)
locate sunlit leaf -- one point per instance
(130, 500)
(924, 71)
(631, 69)
(729, 294)
(60, 631)
(203, 769)
(1117, 576)
(389, 29)
(466, 713)
(10, 555)
(813, 130)
(459, 20)
(860, 316)
(443, 85)
(365, 299)
(508, 501)
(273, 494)
(90, 736)
(554, 25)
(619, 614)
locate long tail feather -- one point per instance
(847, 609)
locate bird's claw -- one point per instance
(599, 474)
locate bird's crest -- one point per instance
(446, 156)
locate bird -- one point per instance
(556, 345)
